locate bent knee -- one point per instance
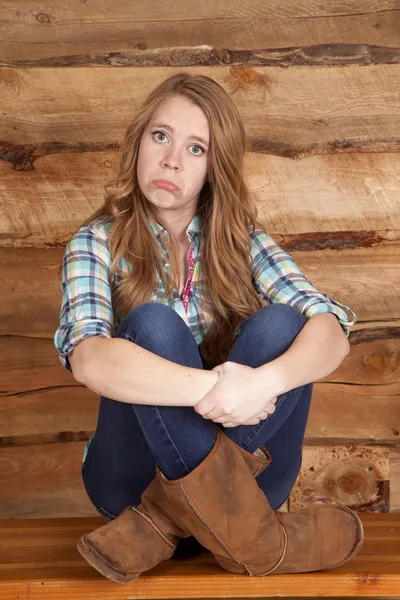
(150, 319)
(283, 319)
(283, 313)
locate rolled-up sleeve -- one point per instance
(86, 306)
(277, 278)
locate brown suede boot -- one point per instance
(112, 550)
(141, 537)
(221, 505)
(137, 540)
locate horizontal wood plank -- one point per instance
(365, 279)
(333, 201)
(356, 413)
(57, 571)
(31, 365)
(57, 414)
(30, 286)
(70, 30)
(207, 55)
(45, 563)
(369, 363)
(45, 480)
(40, 402)
(292, 112)
(339, 414)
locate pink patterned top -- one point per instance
(186, 293)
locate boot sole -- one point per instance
(102, 567)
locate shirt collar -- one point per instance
(192, 229)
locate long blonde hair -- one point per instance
(226, 207)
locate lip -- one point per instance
(166, 185)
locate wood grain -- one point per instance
(45, 480)
(340, 414)
(44, 563)
(333, 201)
(395, 479)
(365, 279)
(41, 403)
(355, 414)
(31, 365)
(31, 33)
(353, 476)
(371, 363)
(56, 414)
(76, 424)
(206, 55)
(292, 112)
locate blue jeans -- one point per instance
(130, 439)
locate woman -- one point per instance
(203, 339)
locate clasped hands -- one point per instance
(240, 396)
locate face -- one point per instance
(169, 151)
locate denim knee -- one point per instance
(267, 334)
(158, 328)
(281, 317)
(274, 319)
(143, 317)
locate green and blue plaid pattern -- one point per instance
(87, 310)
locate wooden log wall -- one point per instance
(318, 88)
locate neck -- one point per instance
(176, 225)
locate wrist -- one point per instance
(212, 378)
(201, 383)
(272, 376)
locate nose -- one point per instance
(171, 159)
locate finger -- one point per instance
(217, 415)
(204, 409)
(224, 419)
(229, 423)
(220, 414)
(262, 415)
(252, 422)
(232, 424)
(210, 414)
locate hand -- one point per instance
(238, 398)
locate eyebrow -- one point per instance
(192, 137)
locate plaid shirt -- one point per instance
(86, 308)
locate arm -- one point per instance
(113, 367)
(278, 279)
(322, 343)
(316, 352)
(243, 395)
(122, 370)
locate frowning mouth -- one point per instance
(166, 185)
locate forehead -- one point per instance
(183, 116)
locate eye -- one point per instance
(159, 132)
(155, 133)
(201, 148)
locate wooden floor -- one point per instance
(38, 559)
